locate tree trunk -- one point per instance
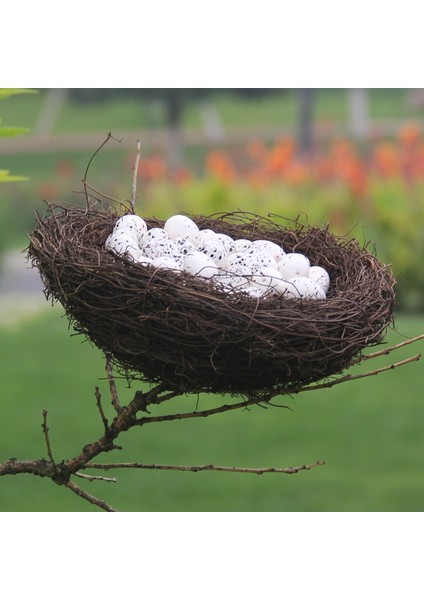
(305, 123)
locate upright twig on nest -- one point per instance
(84, 181)
(135, 175)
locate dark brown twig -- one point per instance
(112, 384)
(46, 437)
(99, 406)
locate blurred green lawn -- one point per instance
(369, 432)
(129, 113)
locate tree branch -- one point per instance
(196, 468)
(86, 496)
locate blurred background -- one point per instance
(352, 158)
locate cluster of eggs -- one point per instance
(258, 268)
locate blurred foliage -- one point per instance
(375, 194)
(11, 131)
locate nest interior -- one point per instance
(176, 329)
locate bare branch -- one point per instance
(99, 406)
(96, 477)
(196, 414)
(350, 377)
(46, 437)
(386, 351)
(112, 384)
(86, 496)
(196, 468)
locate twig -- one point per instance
(46, 437)
(196, 468)
(112, 384)
(390, 348)
(349, 377)
(109, 136)
(99, 406)
(134, 181)
(195, 414)
(92, 499)
(96, 477)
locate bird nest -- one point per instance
(182, 331)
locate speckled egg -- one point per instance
(294, 264)
(132, 223)
(160, 247)
(184, 245)
(320, 276)
(173, 263)
(271, 248)
(153, 233)
(227, 242)
(213, 248)
(242, 245)
(307, 288)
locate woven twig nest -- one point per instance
(184, 332)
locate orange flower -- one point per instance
(219, 165)
(280, 156)
(256, 150)
(182, 175)
(386, 159)
(297, 172)
(410, 133)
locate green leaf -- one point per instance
(7, 92)
(12, 131)
(5, 176)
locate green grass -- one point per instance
(369, 432)
(126, 113)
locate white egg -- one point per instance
(294, 264)
(213, 248)
(168, 262)
(255, 291)
(320, 276)
(242, 245)
(134, 254)
(132, 223)
(144, 260)
(234, 282)
(286, 289)
(227, 242)
(273, 249)
(160, 247)
(307, 288)
(197, 263)
(204, 234)
(267, 278)
(181, 226)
